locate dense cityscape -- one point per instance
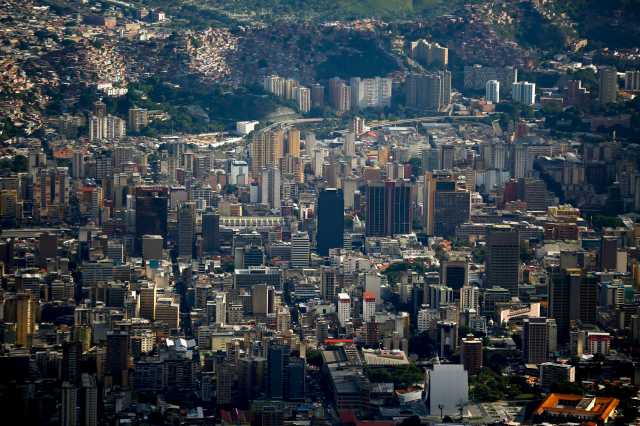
(350, 212)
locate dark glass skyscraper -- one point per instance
(151, 213)
(211, 231)
(388, 208)
(330, 220)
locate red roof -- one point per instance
(369, 296)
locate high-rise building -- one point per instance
(368, 306)
(277, 360)
(607, 85)
(429, 54)
(523, 92)
(389, 209)
(302, 96)
(344, 308)
(469, 298)
(317, 95)
(446, 205)
(552, 373)
(538, 339)
(69, 406)
(328, 284)
(471, 354)
(266, 149)
(168, 312)
(138, 119)
(330, 227)
(492, 91)
(339, 95)
(118, 357)
(503, 258)
(151, 213)
(429, 91)
(292, 146)
(447, 338)
(370, 92)
(89, 400)
(148, 297)
(186, 228)
(300, 250)
(632, 81)
(211, 231)
(270, 187)
(25, 318)
(608, 253)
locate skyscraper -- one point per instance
(211, 231)
(503, 258)
(471, 354)
(492, 91)
(277, 360)
(300, 248)
(68, 416)
(538, 339)
(118, 357)
(151, 213)
(389, 208)
(428, 91)
(330, 227)
(186, 228)
(270, 186)
(523, 92)
(607, 85)
(266, 149)
(446, 205)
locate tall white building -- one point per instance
(302, 95)
(469, 298)
(349, 146)
(344, 308)
(492, 91)
(221, 308)
(107, 127)
(523, 92)
(370, 92)
(274, 84)
(239, 169)
(300, 250)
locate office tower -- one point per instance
(270, 186)
(607, 85)
(451, 208)
(8, 207)
(138, 119)
(277, 360)
(429, 91)
(389, 208)
(370, 92)
(47, 247)
(503, 258)
(51, 193)
(437, 295)
(538, 339)
(552, 374)
(68, 414)
(292, 146)
(328, 283)
(224, 381)
(447, 338)
(523, 92)
(77, 164)
(302, 96)
(534, 192)
(168, 312)
(152, 246)
(25, 318)
(266, 149)
(118, 357)
(294, 389)
(344, 308)
(429, 54)
(368, 306)
(632, 81)
(471, 354)
(186, 228)
(148, 297)
(469, 298)
(151, 213)
(71, 362)
(211, 231)
(300, 250)
(221, 308)
(455, 272)
(89, 400)
(317, 95)
(262, 299)
(608, 253)
(492, 91)
(330, 217)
